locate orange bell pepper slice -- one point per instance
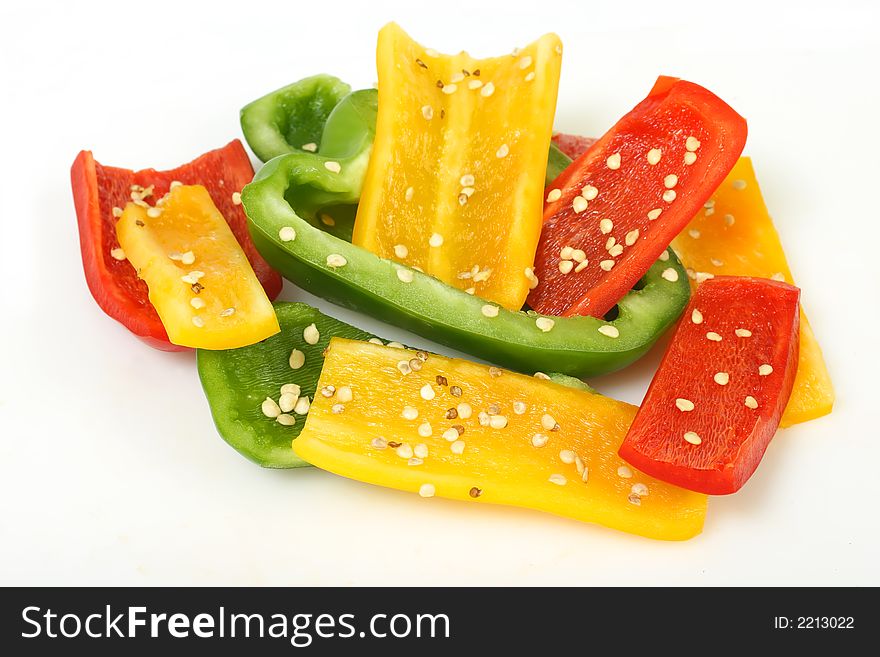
(734, 235)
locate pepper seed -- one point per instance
(311, 334)
(297, 359)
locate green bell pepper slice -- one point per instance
(557, 162)
(289, 118)
(290, 192)
(236, 381)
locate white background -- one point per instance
(111, 471)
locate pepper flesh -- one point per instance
(290, 192)
(289, 118)
(359, 439)
(572, 145)
(733, 235)
(285, 120)
(97, 189)
(716, 399)
(456, 179)
(620, 204)
(237, 381)
(200, 281)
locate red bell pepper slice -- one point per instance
(614, 210)
(114, 284)
(572, 145)
(715, 403)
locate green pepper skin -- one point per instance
(236, 381)
(283, 121)
(572, 382)
(347, 139)
(440, 312)
(426, 306)
(557, 162)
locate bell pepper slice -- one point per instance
(324, 198)
(288, 119)
(557, 162)
(199, 279)
(268, 123)
(615, 209)
(733, 235)
(291, 192)
(98, 189)
(715, 402)
(440, 426)
(355, 278)
(238, 381)
(455, 182)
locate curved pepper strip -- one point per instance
(289, 118)
(329, 200)
(426, 306)
(488, 436)
(442, 313)
(624, 200)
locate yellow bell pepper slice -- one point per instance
(200, 280)
(440, 426)
(455, 181)
(734, 235)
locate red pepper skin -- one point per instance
(674, 111)
(734, 436)
(114, 284)
(572, 145)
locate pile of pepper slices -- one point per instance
(442, 203)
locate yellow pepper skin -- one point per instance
(734, 236)
(546, 446)
(455, 182)
(200, 280)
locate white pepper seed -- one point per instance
(567, 456)
(270, 408)
(311, 334)
(297, 359)
(539, 440)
